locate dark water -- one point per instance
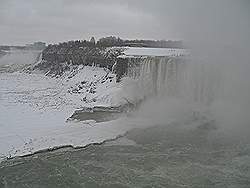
(100, 114)
(162, 156)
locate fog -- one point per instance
(218, 36)
(221, 47)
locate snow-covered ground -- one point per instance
(153, 52)
(34, 109)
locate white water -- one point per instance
(217, 87)
(166, 76)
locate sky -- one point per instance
(52, 21)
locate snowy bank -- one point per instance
(154, 52)
(35, 108)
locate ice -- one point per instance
(152, 52)
(34, 109)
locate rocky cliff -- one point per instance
(56, 59)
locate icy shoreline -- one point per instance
(35, 108)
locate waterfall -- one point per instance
(158, 74)
(174, 77)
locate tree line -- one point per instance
(112, 41)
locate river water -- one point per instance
(176, 155)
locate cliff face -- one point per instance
(123, 65)
(56, 59)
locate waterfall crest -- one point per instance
(174, 77)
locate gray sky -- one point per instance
(25, 21)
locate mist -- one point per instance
(217, 34)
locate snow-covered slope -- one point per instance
(34, 109)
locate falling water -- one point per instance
(175, 77)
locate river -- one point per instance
(176, 155)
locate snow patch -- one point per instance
(153, 52)
(35, 108)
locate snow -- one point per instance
(35, 108)
(153, 52)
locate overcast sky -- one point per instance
(25, 21)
